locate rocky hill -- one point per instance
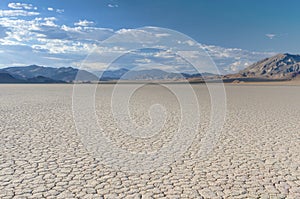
(281, 66)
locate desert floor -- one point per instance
(257, 154)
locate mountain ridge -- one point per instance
(279, 66)
(41, 74)
(66, 74)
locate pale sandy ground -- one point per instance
(257, 155)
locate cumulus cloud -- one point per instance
(84, 23)
(57, 46)
(227, 60)
(43, 35)
(45, 40)
(15, 13)
(49, 21)
(50, 9)
(21, 6)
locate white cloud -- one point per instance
(56, 58)
(92, 34)
(136, 36)
(47, 28)
(189, 42)
(49, 21)
(64, 44)
(271, 36)
(60, 10)
(238, 65)
(162, 35)
(230, 60)
(163, 54)
(90, 66)
(19, 24)
(15, 13)
(50, 18)
(235, 65)
(50, 9)
(237, 53)
(21, 6)
(57, 46)
(14, 56)
(84, 23)
(145, 60)
(113, 5)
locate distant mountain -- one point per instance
(151, 74)
(112, 74)
(197, 75)
(40, 74)
(8, 78)
(277, 67)
(45, 80)
(66, 74)
(281, 66)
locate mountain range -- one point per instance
(279, 67)
(40, 74)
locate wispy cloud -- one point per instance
(15, 13)
(21, 6)
(84, 23)
(145, 60)
(60, 11)
(271, 36)
(112, 5)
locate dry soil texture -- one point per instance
(257, 154)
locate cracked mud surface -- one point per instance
(257, 154)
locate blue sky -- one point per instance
(235, 33)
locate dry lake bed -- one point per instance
(257, 154)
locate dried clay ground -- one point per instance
(257, 154)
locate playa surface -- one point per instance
(257, 154)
